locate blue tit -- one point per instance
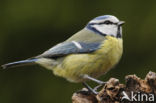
(86, 55)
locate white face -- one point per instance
(107, 25)
(106, 29)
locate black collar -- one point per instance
(95, 30)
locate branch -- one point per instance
(134, 90)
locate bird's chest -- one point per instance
(110, 51)
(104, 58)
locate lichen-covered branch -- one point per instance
(135, 90)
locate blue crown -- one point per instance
(102, 17)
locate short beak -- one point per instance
(121, 23)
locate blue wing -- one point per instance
(66, 48)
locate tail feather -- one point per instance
(19, 63)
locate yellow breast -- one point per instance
(94, 64)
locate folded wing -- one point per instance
(72, 47)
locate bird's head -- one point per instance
(106, 25)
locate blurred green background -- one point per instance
(29, 27)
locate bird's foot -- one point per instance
(99, 86)
(90, 90)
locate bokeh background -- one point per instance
(29, 27)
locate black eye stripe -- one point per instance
(107, 22)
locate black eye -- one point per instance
(108, 22)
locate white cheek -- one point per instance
(107, 29)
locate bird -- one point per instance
(86, 55)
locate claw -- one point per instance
(99, 86)
(90, 89)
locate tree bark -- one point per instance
(137, 90)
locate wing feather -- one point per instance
(66, 48)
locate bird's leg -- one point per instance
(90, 89)
(93, 79)
(97, 87)
(101, 83)
(94, 90)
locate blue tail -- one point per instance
(19, 63)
